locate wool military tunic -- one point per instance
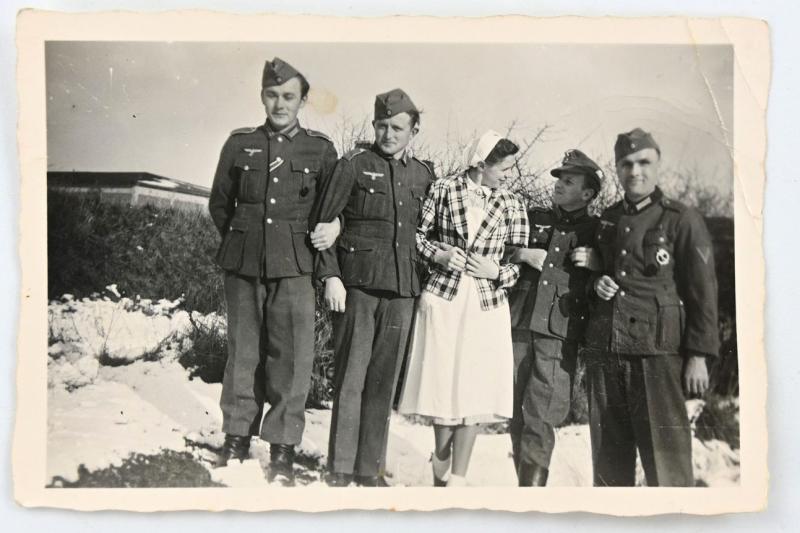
(379, 199)
(264, 190)
(660, 254)
(554, 302)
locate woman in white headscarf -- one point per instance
(461, 365)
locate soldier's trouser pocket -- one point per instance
(550, 385)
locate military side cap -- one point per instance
(393, 103)
(577, 161)
(277, 72)
(633, 141)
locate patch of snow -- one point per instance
(113, 290)
(100, 415)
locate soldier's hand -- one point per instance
(325, 234)
(452, 259)
(479, 266)
(605, 287)
(335, 294)
(695, 376)
(585, 257)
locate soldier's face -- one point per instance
(496, 174)
(283, 102)
(569, 191)
(638, 173)
(393, 134)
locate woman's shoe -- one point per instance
(441, 470)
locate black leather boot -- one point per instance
(235, 447)
(532, 475)
(281, 463)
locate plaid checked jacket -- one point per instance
(443, 219)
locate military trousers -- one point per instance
(544, 373)
(270, 356)
(370, 341)
(637, 402)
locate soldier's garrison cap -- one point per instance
(393, 103)
(633, 141)
(277, 72)
(577, 161)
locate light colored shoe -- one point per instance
(457, 481)
(441, 470)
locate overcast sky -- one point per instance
(166, 108)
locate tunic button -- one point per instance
(622, 293)
(661, 239)
(396, 244)
(624, 252)
(372, 191)
(544, 282)
(305, 170)
(557, 249)
(275, 179)
(280, 139)
(563, 233)
(399, 224)
(352, 249)
(272, 200)
(399, 184)
(627, 229)
(247, 167)
(535, 239)
(623, 273)
(373, 177)
(400, 203)
(550, 265)
(269, 221)
(583, 317)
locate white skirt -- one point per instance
(461, 364)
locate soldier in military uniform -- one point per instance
(264, 190)
(371, 280)
(549, 308)
(653, 325)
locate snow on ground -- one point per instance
(99, 415)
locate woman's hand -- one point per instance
(451, 258)
(325, 234)
(479, 266)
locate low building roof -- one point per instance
(124, 179)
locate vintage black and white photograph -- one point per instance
(390, 265)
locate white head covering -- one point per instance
(481, 147)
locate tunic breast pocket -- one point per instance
(305, 174)
(372, 196)
(657, 249)
(252, 175)
(540, 235)
(417, 199)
